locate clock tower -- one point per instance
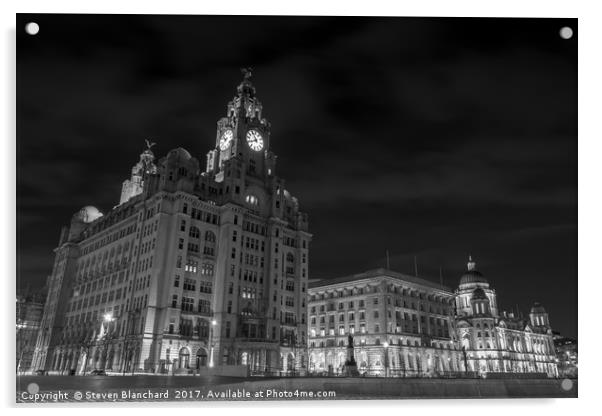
(243, 135)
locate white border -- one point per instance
(590, 209)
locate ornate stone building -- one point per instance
(501, 342)
(193, 268)
(407, 326)
(402, 325)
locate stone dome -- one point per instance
(88, 214)
(180, 153)
(537, 308)
(472, 275)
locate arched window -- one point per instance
(210, 236)
(252, 200)
(184, 357)
(290, 258)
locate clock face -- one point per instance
(255, 140)
(226, 139)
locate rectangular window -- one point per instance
(189, 284)
(206, 287)
(207, 269)
(191, 266)
(187, 304)
(204, 306)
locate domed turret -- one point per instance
(79, 222)
(537, 308)
(146, 166)
(180, 153)
(87, 214)
(539, 317)
(472, 275)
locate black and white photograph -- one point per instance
(295, 208)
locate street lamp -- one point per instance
(386, 345)
(108, 318)
(213, 324)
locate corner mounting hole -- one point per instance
(32, 28)
(566, 32)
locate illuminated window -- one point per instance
(252, 200)
(191, 266)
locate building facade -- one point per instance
(401, 325)
(194, 268)
(29, 315)
(501, 342)
(568, 358)
(406, 326)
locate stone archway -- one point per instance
(201, 358)
(184, 358)
(312, 363)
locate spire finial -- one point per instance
(247, 72)
(471, 264)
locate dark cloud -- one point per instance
(430, 138)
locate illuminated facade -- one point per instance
(402, 325)
(192, 269)
(501, 342)
(406, 326)
(567, 353)
(29, 316)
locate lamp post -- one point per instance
(213, 324)
(107, 318)
(386, 345)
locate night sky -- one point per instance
(434, 138)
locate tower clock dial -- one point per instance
(226, 139)
(255, 140)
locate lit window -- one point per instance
(252, 200)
